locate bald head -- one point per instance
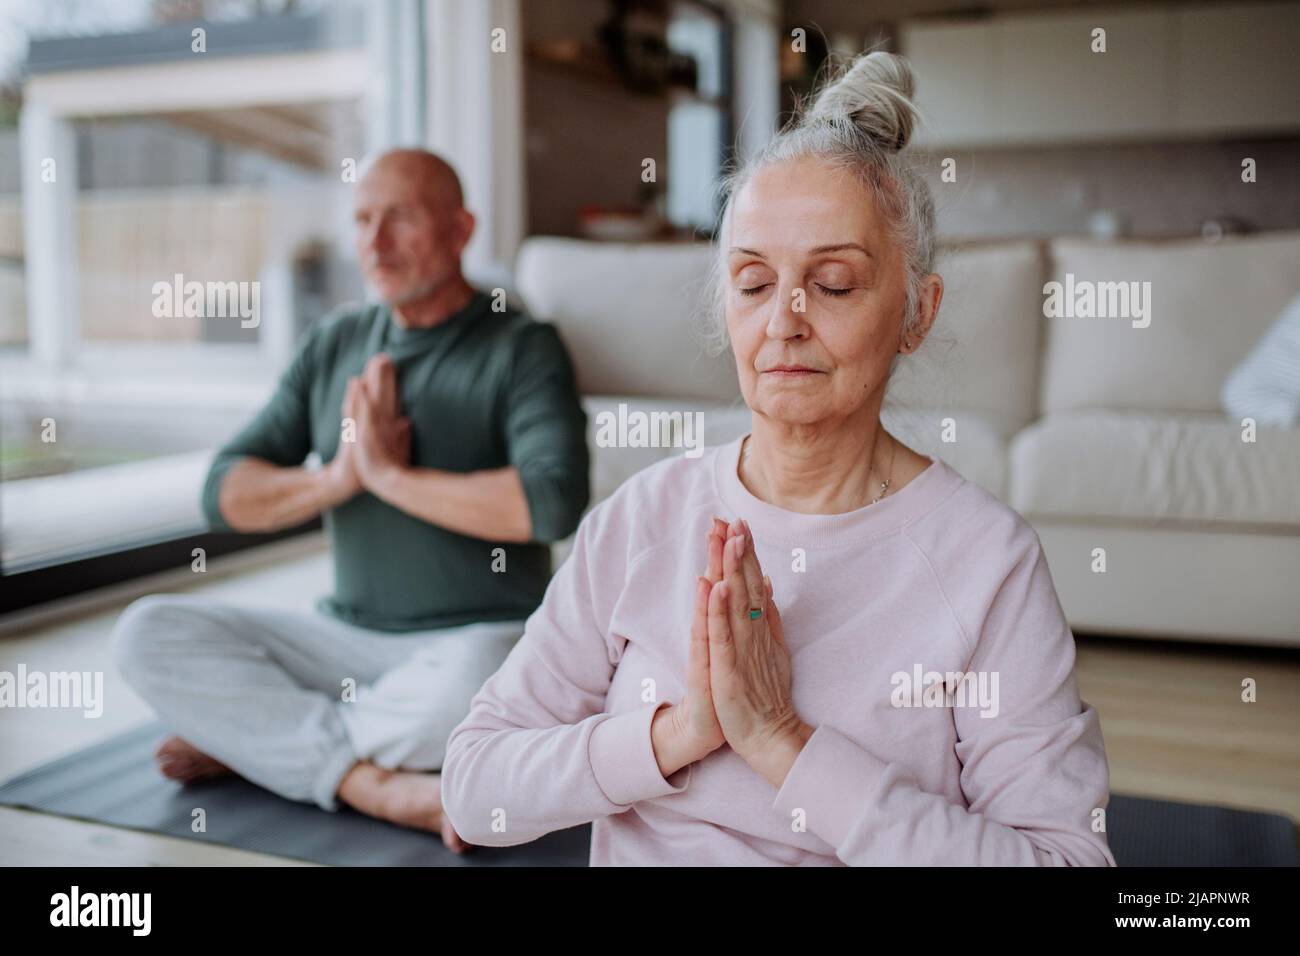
(411, 224)
(428, 172)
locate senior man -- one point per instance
(456, 451)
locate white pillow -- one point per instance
(1266, 386)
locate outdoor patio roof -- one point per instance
(258, 36)
(260, 62)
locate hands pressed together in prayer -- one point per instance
(382, 435)
(738, 672)
(486, 503)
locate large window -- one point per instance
(174, 207)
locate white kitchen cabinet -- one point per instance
(955, 66)
(1051, 87)
(1167, 73)
(1238, 69)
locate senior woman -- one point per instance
(808, 699)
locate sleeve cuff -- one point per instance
(554, 504)
(210, 498)
(623, 761)
(832, 782)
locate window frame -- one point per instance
(315, 58)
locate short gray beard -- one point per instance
(420, 292)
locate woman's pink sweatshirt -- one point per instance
(928, 649)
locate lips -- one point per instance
(791, 371)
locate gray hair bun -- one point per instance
(874, 93)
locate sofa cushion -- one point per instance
(1210, 303)
(629, 314)
(1266, 387)
(977, 452)
(983, 353)
(614, 463)
(1155, 470)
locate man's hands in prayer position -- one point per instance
(488, 504)
(257, 495)
(382, 435)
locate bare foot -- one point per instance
(451, 839)
(180, 760)
(404, 797)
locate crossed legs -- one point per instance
(306, 706)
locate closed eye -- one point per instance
(754, 290)
(830, 291)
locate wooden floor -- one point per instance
(288, 575)
(1176, 727)
(1172, 715)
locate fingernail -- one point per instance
(768, 582)
(740, 546)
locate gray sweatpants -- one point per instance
(267, 692)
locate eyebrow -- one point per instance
(837, 247)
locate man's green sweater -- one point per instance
(483, 389)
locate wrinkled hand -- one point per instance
(383, 435)
(697, 723)
(749, 665)
(341, 470)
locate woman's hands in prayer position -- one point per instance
(738, 669)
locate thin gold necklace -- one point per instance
(884, 485)
(893, 453)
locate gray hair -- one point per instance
(860, 120)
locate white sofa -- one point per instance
(1102, 434)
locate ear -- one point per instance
(464, 228)
(927, 310)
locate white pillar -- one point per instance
(49, 185)
(476, 122)
(395, 95)
(756, 75)
(276, 335)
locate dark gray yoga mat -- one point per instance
(115, 782)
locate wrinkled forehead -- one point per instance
(803, 202)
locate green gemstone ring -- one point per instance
(755, 613)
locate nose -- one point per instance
(373, 236)
(789, 316)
